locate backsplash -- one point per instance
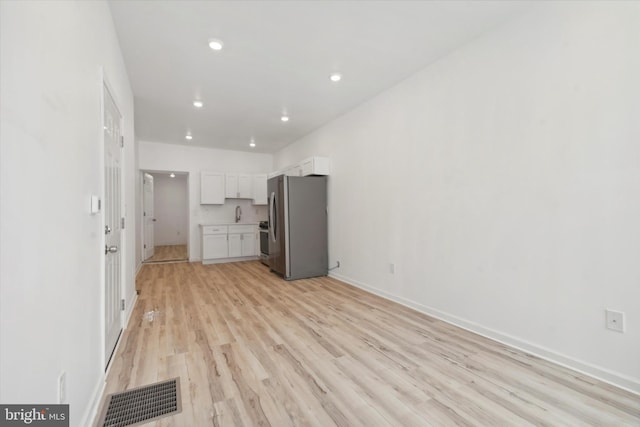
(209, 214)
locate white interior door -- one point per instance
(112, 221)
(148, 214)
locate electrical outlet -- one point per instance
(392, 268)
(62, 387)
(615, 320)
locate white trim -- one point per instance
(141, 216)
(619, 380)
(106, 86)
(129, 311)
(103, 285)
(138, 268)
(141, 213)
(226, 260)
(88, 418)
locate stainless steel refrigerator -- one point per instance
(298, 240)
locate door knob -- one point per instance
(110, 249)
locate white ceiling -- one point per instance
(277, 58)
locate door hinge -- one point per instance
(144, 214)
(122, 304)
(121, 141)
(145, 246)
(122, 223)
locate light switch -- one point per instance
(95, 204)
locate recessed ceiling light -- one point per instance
(215, 44)
(198, 104)
(189, 137)
(172, 175)
(335, 77)
(252, 144)
(284, 118)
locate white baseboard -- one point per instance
(127, 315)
(619, 380)
(88, 418)
(226, 260)
(138, 268)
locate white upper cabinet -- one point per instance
(212, 189)
(217, 186)
(310, 166)
(259, 189)
(231, 186)
(315, 166)
(244, 186)
(294, 171)
(238, 186)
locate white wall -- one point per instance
(171, 209)
(504, 182)
(179, 158)
(50, 163)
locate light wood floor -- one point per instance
(252, 349)
(168, 253)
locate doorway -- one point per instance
(165, 216)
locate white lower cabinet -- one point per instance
(220, 242)
(242, 245)
(242, 240)
(235, 245)
(215, 246)
(249, 245)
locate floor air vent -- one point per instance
(142, 404)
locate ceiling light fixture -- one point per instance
(335, 77)
(252, 143)
(172, 175)
(215, 44)
(198, 104)
(284, 118)
(189, 137)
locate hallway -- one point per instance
(164, 253)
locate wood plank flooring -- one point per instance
(254, 350)
(165, 253)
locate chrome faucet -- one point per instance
(238, 213)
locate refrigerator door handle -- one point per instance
(269, 220)
(273, 220)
